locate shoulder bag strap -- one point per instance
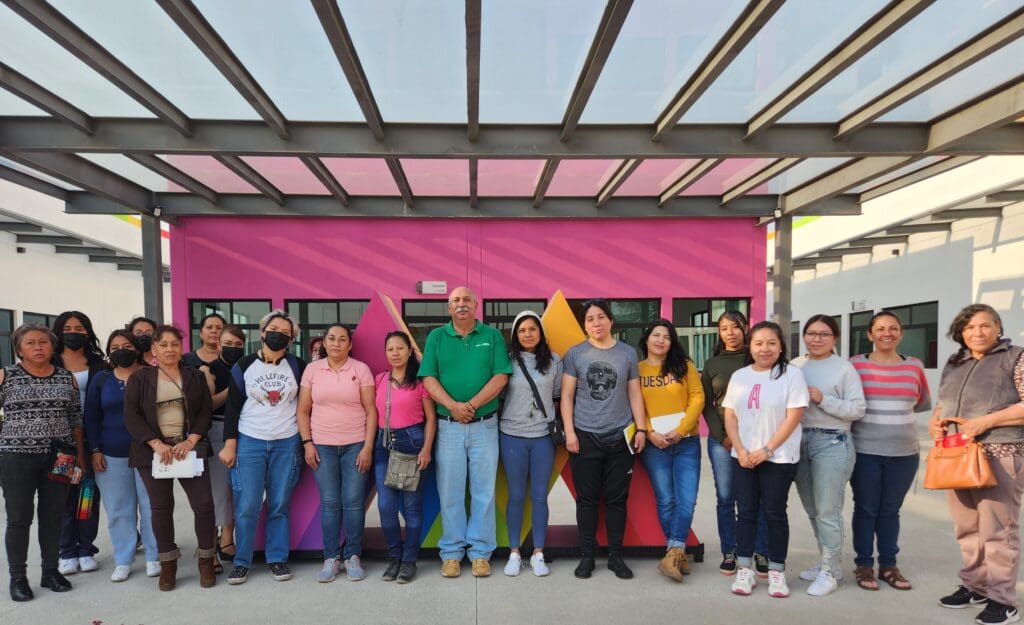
(533, 386)
(387, 412)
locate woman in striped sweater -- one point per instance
(887, 447)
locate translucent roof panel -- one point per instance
(41, 59)
(11, 104)
(210, 172)
(175, 67)
(37, 174)
(507, 178)
(127, 168)
(437, 176)
(581, 177)
(653, 176)
(968, 83)
(414, 56)
(797, 175)
(285, 48)
(363, 176)
(660, 46)
(799, 35)
(905, 51)
(288, 174)
(726, 175)
(527, 72)
(902, 171)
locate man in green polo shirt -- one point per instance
(465, 366)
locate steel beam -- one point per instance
(920, 228)
(398, 173)
(250, 175)
(112, 259)
(967, 213)
(47, 239)
(881, 240)
(129, 266)
(862, 41)
(325, 177)
(974, 49)
(337, 34)
(152, 268)
(547, 174)
(19, 226)
(191, 21)
(755, 15)
(846, 251)
(473, 22)
(76, 170)
(474, 172)
(619, 176)
(764, 175)
(82, 249)
(26, 89)
(691, 176)
(31, 182)
(175, 175)
(840, 180)
(782, 273)
(1000, 106)
(1006, 196)
(917, 176)
(614, 16)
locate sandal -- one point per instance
(218, 568)
(891, 575)
(866, 577)
(224, 555)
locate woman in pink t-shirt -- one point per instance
(413, 424)
(338, 424)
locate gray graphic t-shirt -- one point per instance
(602, 401)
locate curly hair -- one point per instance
(956, 329)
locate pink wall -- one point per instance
(333, 258)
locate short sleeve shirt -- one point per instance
(338, 416)
(406, 403)
(464, 364)
(602, 376)
(760, 401)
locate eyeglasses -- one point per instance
(819, 335)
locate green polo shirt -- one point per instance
(464, 365)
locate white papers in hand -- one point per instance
(184, 468)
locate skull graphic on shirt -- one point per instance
(601, 379)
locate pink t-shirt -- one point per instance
(406, 403)
(338, 415)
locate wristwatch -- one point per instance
(768, 453)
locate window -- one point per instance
(38, 319)
(6, 326)
(245, 314)
(794, 339)
(500, 313)
(858, 342)
(423, 315)
(696, 322)
(314, 317)
(920, 331)
(632, 316)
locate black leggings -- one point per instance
(24, 475)
(601, 468)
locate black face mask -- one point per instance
(276, 341)
(124, 357)
(231, 355)
(145, 342)
(74, 340)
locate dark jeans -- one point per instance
(601, 468)
(408, 440)
(23, 475)
(879, 485)
(764, 488)
(78, 535)
(161, 503)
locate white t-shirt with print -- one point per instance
(272, 399)
(760, 401)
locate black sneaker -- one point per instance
(238, 575)
(585, 568)
(406, 572)
(963, 598)
(281, 571)
(761, 565)
(996, 613)
(619, 567)
(391, 573)
(728, 565)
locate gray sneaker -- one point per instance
(331, 569)
(354, 569)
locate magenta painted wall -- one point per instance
(334, 258)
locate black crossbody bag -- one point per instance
(555, 428)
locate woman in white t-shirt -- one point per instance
(763, 406)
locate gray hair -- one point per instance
(20, 332)
(280, 314)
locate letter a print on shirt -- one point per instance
(754, 399)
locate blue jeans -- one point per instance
(270, 467)
(826, 462)
(722, 467)
(879, 485)
(342, 496)
(763, 490)
(527, 460)
(675, 476)
(407, 440)
(467, 451)
(128, 514)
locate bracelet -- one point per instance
(307, 440)
(644, 432)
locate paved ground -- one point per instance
(929, 558)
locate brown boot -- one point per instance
(683, 561)
(168, 574)
(668, 566)
(207, 576)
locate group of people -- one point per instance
(818, 420)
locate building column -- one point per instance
(782, 274)
(152, 268)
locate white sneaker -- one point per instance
(121, 572)
(330, 570)
(67, 566)
(777, 586)
(745, 581)
(515, 562)
(87, 564)
(811, 574)
(822, 585)
(152, 568)
(539, 566)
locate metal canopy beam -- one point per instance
(337, 34)
(621, 174)
(1006, 196)
(944, 226)
(968, 213)
(21, 86)
(473, 25)
(532, 141)
(975, 49)
(76, 170)
(881, 240)
(755, 15)
(398, 173)
(691, 176)
(614, 16)
(547, 174)
(48, 239)
(759, 178)
(873, 32)
(153, 274)
(250, 175)
(175, 175)
(95, 258)
(19, 226)
(1002, 105)
(31, 182)
(917, 176)
(846, 251)
(839, 180)
(474, 171)
(191, 21)
(79, 249)
(59, 28)
(325, 177)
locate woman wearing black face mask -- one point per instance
(78, 351)
(142, 328)
(262, 446)
(125, 498)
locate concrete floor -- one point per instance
(929, 558)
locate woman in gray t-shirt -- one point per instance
(600, 397)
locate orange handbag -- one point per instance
(957, 461)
